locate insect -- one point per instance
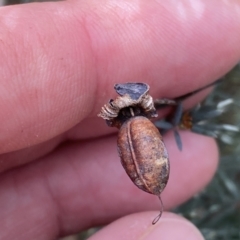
(140, 145)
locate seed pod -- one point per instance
(140, 145)
(143, 154)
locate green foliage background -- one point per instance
(216, 210)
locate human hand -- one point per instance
(60, 172)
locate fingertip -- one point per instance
(173, 227)
(139, 226)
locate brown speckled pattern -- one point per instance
(143, 154)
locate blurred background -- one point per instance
(216, 210)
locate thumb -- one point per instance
(139, 226)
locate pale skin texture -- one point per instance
(60, 172)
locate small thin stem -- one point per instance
(164, 102)
(155, 220)
(183, 97)
(132, 112)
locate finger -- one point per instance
(84, 185)
(60, 60)
(138, 226)
(25, 155)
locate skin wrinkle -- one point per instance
(24, 204)
(125, 10)
(91, 24)
(198, 8)
(11, 191)
(55, 205)
(42, 180)
(23, 156)
(94, 65)
(53, 184)
(49, 109)
(181, 11)
(107, 43)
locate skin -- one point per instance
(60, 172)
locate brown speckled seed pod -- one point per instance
(143, 154)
